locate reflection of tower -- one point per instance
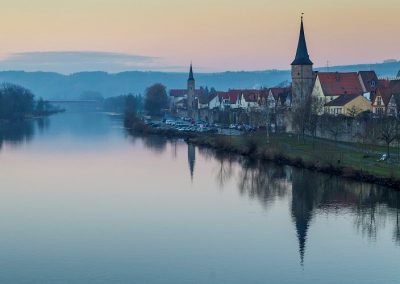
(191, 159)
(302, 71)
(191, 89)
(303, 200)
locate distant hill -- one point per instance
(54, 85)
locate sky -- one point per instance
(217, 35)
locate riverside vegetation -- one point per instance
(18, 103)
(359, 160)
(349, 160)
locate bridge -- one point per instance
(73, 101)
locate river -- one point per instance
(82, 201)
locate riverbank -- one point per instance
(349, 160)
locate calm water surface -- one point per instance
(83, 202)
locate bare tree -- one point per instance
(334, 125)
(388, 129)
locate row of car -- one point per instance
(189, 125)
(242, 127)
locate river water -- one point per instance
(82, 201)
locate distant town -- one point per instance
(335, 93)
(338, 122)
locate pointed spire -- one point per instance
(302, 57)
(191, 77)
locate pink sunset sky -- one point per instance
(217, 35)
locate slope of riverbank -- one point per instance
(349, 160)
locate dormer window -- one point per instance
(373, 84)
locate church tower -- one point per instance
(302, 71)
(191, 90)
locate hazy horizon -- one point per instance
(68, 63)
(221, 35)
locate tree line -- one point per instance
(17, 102)
(365, 128)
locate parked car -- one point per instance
(170, 122)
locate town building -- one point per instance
(187, 101)
(348, 105)
(330, 86)
(385, 100)
(369, 81)
(335, 93)
(278, 98)
(302, 72)
(191, 91)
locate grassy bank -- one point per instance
(350, 160)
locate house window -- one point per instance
(379, 101)
(373, 84)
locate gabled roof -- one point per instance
(336, 84)
(342, 100)
(230, 95)
(278, 92)
(386, 89)
(251, 95)
(177, 92)
(369, 80)
(302, 57)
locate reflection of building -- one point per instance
(303, 203)
(312, 193)
(191, 159)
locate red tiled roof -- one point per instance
(336, 84)
(230, 95)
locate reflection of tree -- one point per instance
(174, 149)
(155, 143)
(225, 162)
(43, 123)
(371, 206)
(224, 169)
(263, 181)
(314, 192)
(17, 132)
(396, 231)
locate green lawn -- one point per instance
(325, 152)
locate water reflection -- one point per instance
(371, 207)
(191, 159)
(20, 132)
(155, 143)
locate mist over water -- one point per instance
(84, 202)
